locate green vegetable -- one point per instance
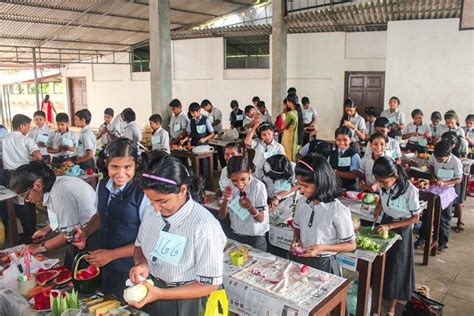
(367, 244)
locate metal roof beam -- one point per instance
(193, 12)
(60, 40)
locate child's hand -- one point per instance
(274, 202)
(372, 188)
(382, 228)
(245, 202)
(440, 183)
(414, 134)
(202, 141)
(313, 251)
(362, 186)
(41, 144)
(227, 193)
(426, 134)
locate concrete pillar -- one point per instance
(279, 32)
(160, 58)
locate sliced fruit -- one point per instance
(89, 273)
(39, 289)
(64, 277)
(45, 276)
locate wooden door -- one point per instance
(366, 89)
(78, 94)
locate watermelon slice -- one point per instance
(44, 277)
(64, 277)
(89, 273)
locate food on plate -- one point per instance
(136, 293)
(39, 289)
(420, 183)
(104, 307)
(370, 198)
(41, 301)
(43, 277)
(367, 243)
(425, 156)
(64, 277)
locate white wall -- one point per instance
(430, 65)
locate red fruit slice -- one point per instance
(64, 277)
(360, 195)
(45, 276)
(89, 273)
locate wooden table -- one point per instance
(195, 158)
(92, 179)
(335, 303)
(8, 197)
(433, 223)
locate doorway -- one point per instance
(366, 89)
(78, 94)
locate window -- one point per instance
(16, 89)
(58, 88)
(141, 58)
(43, 88)
(247, 52)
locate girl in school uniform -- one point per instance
(180, 245)
(355, 123)
(279, 179)
(400, 205)
(323, 225)
(230, 150)
(378, 143)
(435, 127)
(121, 206)
(417, 133)
(344, 159)
(395, 117)
(246, 204)
(371, 115)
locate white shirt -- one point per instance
(453, 163)
(331, 223)
(421, 130)
(366, 166)
(39, 133)
(178, 124)
(392, 149)
(458, 130)
(215, 115)
(87, 141)
(224, 180)
(57, 139)
(117, 126)
(263, 152)
(309, 114)
(105, 138)
(133, 132)
(160, 140)
(436, 130)
(203, 255)
(17, 150)
(3, 133)
(369, 127)
(266, 118)
(359, 123)
(394, 117)
(410, 199)
(257, 194)
(247, 120)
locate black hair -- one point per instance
(378, 135)
(205, 102)
(109, 111)
(450, 115)
(436, 115)
(238, 147)
(372, 111)
(155, 118)
(20, 119)
(443, 149)
(278, 167)
(416, 112)
(342, 130)
(262, 128)
(62, 118)
(291, 90)
(345, 117)
(46, 98)
(40, 113)
(261, 104)
(469, 117)
(175, 103)
(129, 115)
(304, 100)
(234, 103)
(293, 98)
(23, 178)
(122, 147)
(327, 184)
(320, 147)
(382, 122)
(194, 107)
(239, 164)
(386, 167)
(249, 108)
(169, 167)
(349, 103)
(396, 99)
(85, 115)
(255, 99)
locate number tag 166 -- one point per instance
(169, 248)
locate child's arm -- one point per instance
(313, 251)
(101, 257)
(89, 155)
(37, 155)
(249, 137)
(205, 139)
(347, 174)
(410, 221)
(224, 209)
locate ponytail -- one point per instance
(385, 167)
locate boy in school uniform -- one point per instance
(250, 115)
(62, 142)
(132, 129)
(309, 113)
(236, 116)
(179, 122)
(87, 142)
(18, 149)
(392, 148)
(104, 135)
(371, 115)
(215, 117)
(255, 100)
(266, 117)
(40, 134)
(160, 139)
(116, 128)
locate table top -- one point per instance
(222, 142)
(6, 194)
(188, 153)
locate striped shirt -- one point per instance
(392, 149)
(257, 194)
(421, 130)
(263, 151)
(133, 132)
(39, 133)
(87, 140)
(178, 124)
(203, 255)
(72, 200)
(323, 224)
(57, 139)
(410, 199)
(160, 140)
(17, 150)
(366, 166)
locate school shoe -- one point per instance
(419, 243)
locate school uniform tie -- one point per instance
(165, 229)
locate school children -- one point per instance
(116, 128)
(104, 134)
(17, 150)
(469, 131)
(184, 277)
(87, 142)
(250, 116)
(399, 201)
(451, 124)
(435, 127)
(40, 133)
(121, 207)
(265, 145)
(230, 150)
(179, 122)
(344, 159)
(323, 225)
(378, 143)
(354, 122)
(215, 115)
(132, 129)
(395, 118)
(416, 132)
(265, 116)
(160, 139)
(236, 116)
(392, 148)
(62, 142)
(309, 113)
(246, 204)
(279, 179)
(316, 146)
(371, 115)
(255, 100)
